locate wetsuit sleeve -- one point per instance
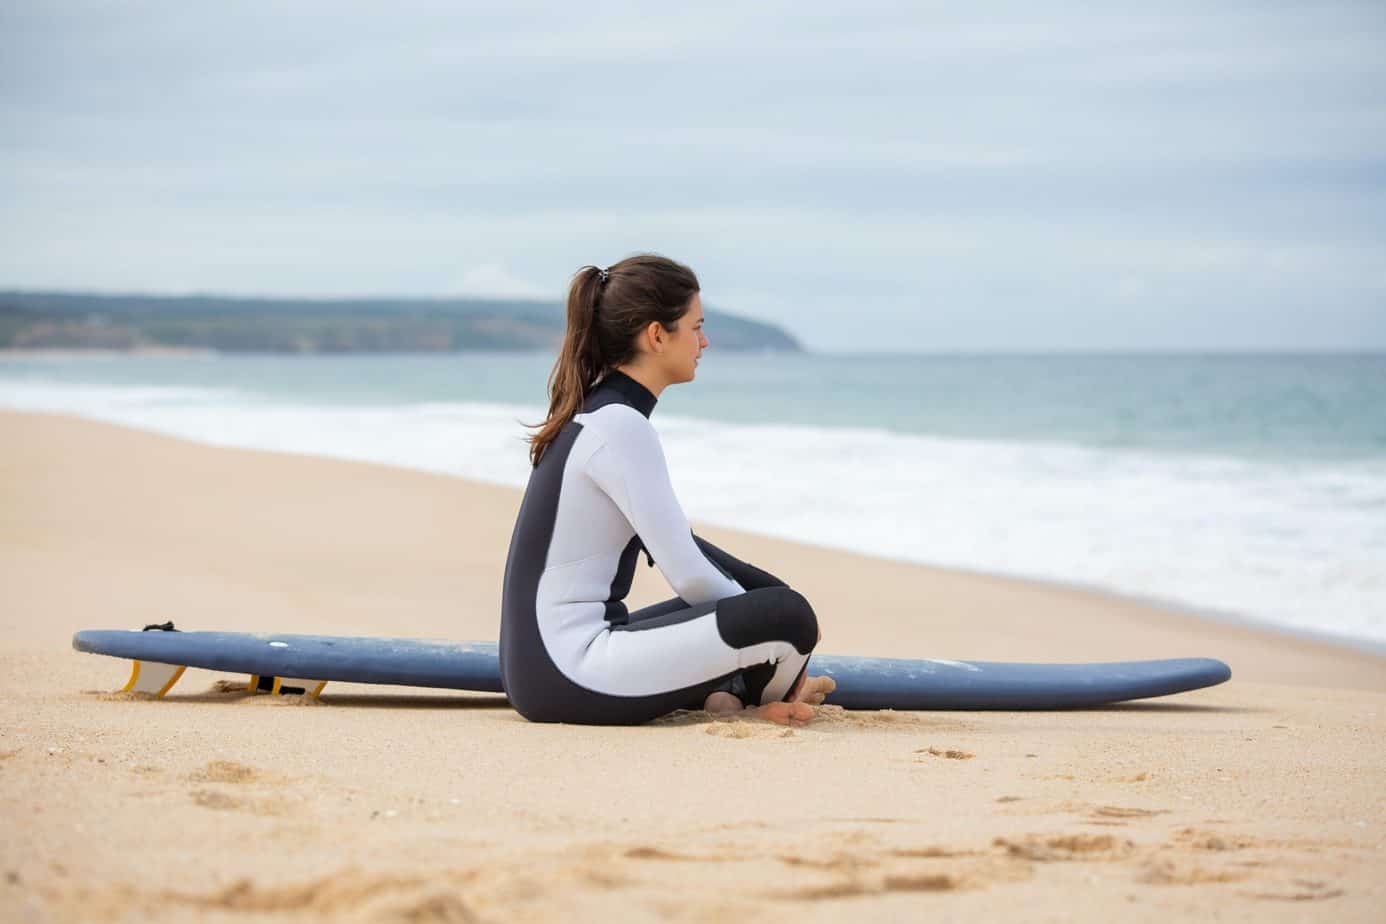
(631, 470)
(745, 574)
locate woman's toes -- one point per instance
(782, 713)
(776, 712)
(816, 689)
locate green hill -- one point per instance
(62, 320)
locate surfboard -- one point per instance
(305, 663)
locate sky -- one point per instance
(910, 177)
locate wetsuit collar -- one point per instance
(619, 387)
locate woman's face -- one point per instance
(687, 342)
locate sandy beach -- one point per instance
(1261, 799)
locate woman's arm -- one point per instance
(744, 573)
(630, 468)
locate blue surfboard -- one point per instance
(862, 683)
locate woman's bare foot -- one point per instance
(813, 690)
(781, 713)
(806, 693)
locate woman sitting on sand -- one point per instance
(598, 494)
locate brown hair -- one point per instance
(604, 319)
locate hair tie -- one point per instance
(602, 274)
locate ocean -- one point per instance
(1248, 487)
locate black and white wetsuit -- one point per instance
(570, 651)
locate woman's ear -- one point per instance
(654, 336)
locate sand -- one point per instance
(1261, 799)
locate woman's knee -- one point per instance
(768, 614)
(803, 620)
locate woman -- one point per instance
(598, 494)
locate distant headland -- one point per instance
(154, 323)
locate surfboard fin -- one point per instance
(285, 686)
(290, 685)
(153, 677)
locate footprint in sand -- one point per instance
(851, 888)
(1298, 890)
(1173, 872)
(931, 853)
(226, 771)
(230, 773)
(848, 873)
(1117, 811)
(926, 869)
(441, 908)
(840, 861)
(1100, 814)
(1194, 839)
(431, 897)
(657, 853)
(949, 753)
(225, 802)
(1197, 839)
(1062, 847)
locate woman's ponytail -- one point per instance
(579, 360)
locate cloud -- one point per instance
(493, 279)
(1017, 176)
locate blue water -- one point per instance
(1253, 485)
(1307, 406)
